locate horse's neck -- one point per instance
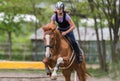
(62, 48)
(60, 41)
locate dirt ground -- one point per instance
(21, 76)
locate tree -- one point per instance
(109, 10)
(103, 10)
(13, 8)
(9, 25)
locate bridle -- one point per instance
(51, 46)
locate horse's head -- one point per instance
(49, 27)
(49, 37)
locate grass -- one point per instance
(23, 71)
(97, 72)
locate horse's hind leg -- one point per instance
(80, 73)
(81, 69)
(67, 74)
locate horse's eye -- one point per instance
(52, 38)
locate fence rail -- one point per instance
(27, 52)
(18, 51)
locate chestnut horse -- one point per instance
(60, 55)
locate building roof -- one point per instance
(39, 36)
(86, 34)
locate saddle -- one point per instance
(75, 47)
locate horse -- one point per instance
(60, 55)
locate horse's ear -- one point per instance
(45, 28)
(53, 27)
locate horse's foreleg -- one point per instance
(45, 61)
(54, 74)
(48, 71)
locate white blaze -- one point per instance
(47, 37)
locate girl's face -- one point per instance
(59, 11)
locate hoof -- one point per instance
(49, 74)
(53, 77)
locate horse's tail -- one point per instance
(84, 72)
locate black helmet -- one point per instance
(60, 5)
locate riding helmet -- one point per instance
(60, 5)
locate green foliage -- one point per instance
(2, 36)
(20, 29)
(97, 72)
(20, 57)
(115, 70)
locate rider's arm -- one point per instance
(72, 25)
(53, 19)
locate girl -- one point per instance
(66, 26)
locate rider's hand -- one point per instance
(64, 33)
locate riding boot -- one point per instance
(78, 53)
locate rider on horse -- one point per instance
(66, 26)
